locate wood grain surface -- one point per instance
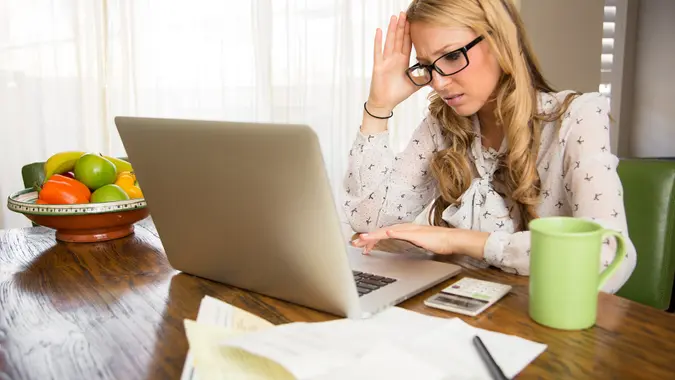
(115, 310)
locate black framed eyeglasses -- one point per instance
(446, 65)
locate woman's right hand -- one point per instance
(390, 84)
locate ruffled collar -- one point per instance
(481, 207)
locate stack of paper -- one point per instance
(395, 344)
(207, 359)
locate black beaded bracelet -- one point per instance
(377, 117)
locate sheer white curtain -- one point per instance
(68, 67)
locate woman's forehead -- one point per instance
(431, 41)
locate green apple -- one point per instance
(95, 171)
(109, 193)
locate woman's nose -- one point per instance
(439, 82)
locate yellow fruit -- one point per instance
(127, 181)
(121, 165)
(134, 192)
(60, 163)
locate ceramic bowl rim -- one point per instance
(22, 202)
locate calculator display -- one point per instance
(455, 300)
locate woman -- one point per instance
(498, 148)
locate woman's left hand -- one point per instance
(435, 239)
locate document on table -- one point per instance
(396, 343)
(208, 359)
(227, 342)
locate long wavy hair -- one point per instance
(515, 96)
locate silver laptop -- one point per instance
(250, 205)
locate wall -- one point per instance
(652, 131)
(623, 74)
(567, 38)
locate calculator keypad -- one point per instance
(469, 296)
(477, 289)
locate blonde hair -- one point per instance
(516, 110)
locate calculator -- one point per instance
(468, 296)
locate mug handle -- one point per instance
(618, 258)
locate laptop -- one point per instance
(250, 205)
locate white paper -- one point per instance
(310, 349)
(415, 342)
(211, 311)
(385, 362)
(300, 348)
(215, 312)
(452, 350)
(211, 360)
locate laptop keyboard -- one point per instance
(368, 282)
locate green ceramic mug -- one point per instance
(565, 276)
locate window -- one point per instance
(607, 56)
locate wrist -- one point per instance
(379, 110)
(375, 117)
(469, 242)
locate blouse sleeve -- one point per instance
(382, 188)
(593, 190)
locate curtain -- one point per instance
(68, 67)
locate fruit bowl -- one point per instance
(81, 223)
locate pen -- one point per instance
(494, 369)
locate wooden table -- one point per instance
(115, 310)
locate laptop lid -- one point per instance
(246, 204)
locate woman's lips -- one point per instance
(454, 100)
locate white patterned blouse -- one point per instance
(577, 171)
